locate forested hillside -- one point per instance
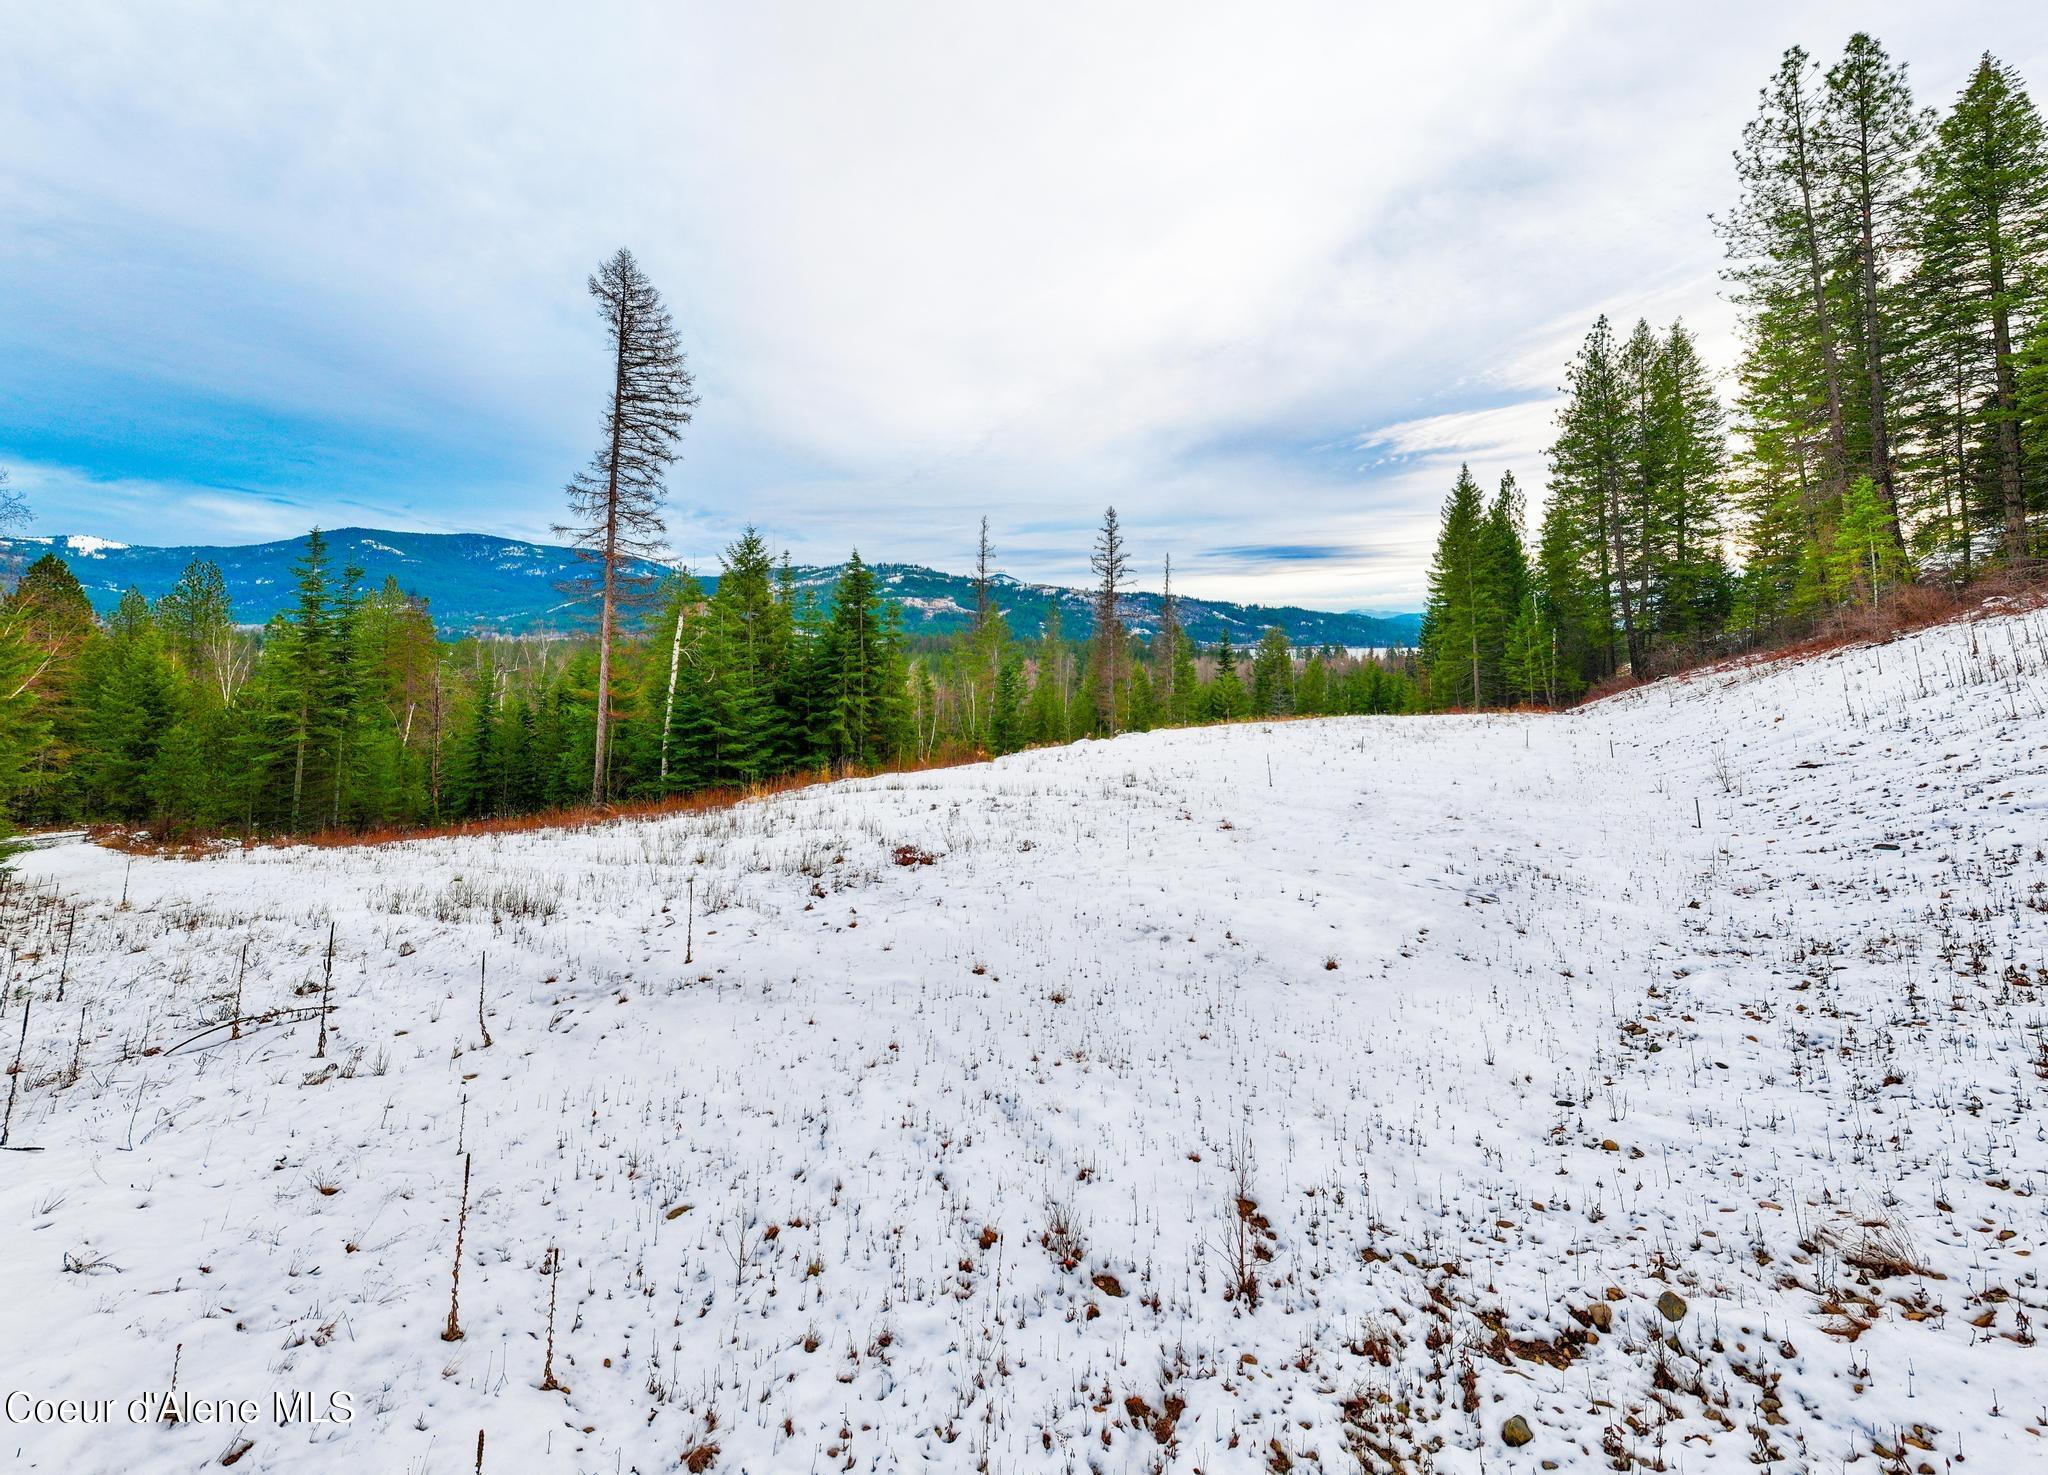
(1887, 438)
(474, 583)
(348, 710)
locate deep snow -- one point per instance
(1458, 1037)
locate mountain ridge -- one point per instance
(482, 583)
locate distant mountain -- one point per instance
(476, 582)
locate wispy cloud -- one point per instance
(293, 264)
(1514, 434)
(1255, 554)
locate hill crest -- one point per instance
(479, 582)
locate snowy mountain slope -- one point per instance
(1322, 1095)
(474, 581)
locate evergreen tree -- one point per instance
(1872, 133)
(1867, 560)
(1141, 701)
(1048, 708)
(1166, 653)
(986, 645)
(1184, 701)
(1226, 699)
(676, 633)
(1008, 728)
(1531, 662)
(53, 621)
(1779, 245)
(1312, 692)
(198, 625)
(1587, 543)
(1688, 577)
(1273, 675)
(1110, 566)
(863, 664)
(126, 701)
(1984, 244)
(1456, 620)
(1504, 581)
(314, 687)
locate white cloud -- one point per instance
(930, 260)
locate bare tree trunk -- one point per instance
(1880, 435)
(668, 704)
(1628, 614)
(1838, 444)
(601, 766)
(2006, 432)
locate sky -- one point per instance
(1261, 277)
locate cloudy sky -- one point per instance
(1259, 275)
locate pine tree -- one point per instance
(986, 643)
(24, 729)
(1867, 560)
(1008, 728)
(1872, 132)
(473, 764)
(48, 624)
(2033, 399)
(1049, 720)
(1983, 211)
(616, 501)
(1226, 700)
(1184, 702)
(126, 701)
(1166, 651)
(865, 716)
(1530, 663)
(1454, 624)
(1311, 686)
(1141, 701)
(199, 626)
(1689, 576)
(1504, 581)
(1110, 566)
(1273, 675)
(305, 660)
(1777, 239)
(1588, 477)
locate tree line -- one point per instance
(347, 711)
(1889, 418)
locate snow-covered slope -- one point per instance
(1311, 1096)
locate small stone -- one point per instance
(1672, 1305)
(1516, 1432)
(1600, 1316)
(1615, 1293)
(1610, 1145)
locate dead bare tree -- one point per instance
(615, 502)
(1110, 566)
(1167, 642)
(453, 1331)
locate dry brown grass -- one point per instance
(1915, 607)
(571, 817)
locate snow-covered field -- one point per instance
(1317, 1096)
